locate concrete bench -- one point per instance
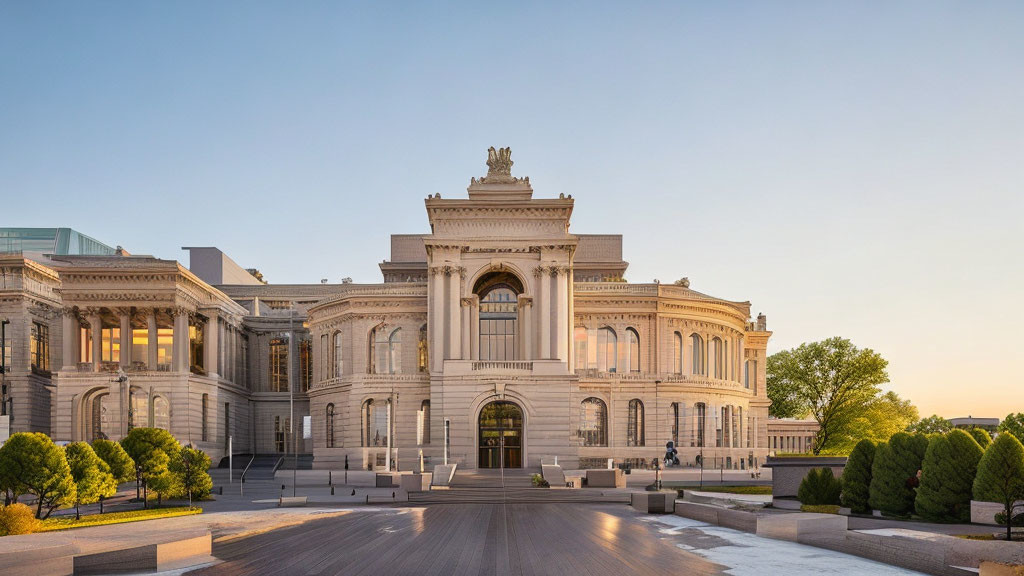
(799, 525)
(442, 477)
(148, 558)
(606, 478)
(653, 502)
(416, 482)
(386, 480)
(556, 477)
(291, 501)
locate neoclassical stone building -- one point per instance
(499, 339)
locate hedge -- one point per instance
(894, 473)
(857, 477)
(947, 475)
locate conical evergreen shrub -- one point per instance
(857, 477)
(819, 487)
(894, 473)
(982, 437)
(1001, 476)
(947, 476)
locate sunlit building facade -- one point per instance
(499, 339)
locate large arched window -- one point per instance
(593, 422)
(702, 422)
(387, 351)
(138, 409)
(677, 353)
(329, 425)
(635, 423)
(696, 354)
(607, 350)
(339, 362)
(375, 424)
(632, 350)
(498, 319)
(716, 358)
(422, 352)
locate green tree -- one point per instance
(881, 417)
(981, 436)
(122, 467)
(151, 449)
(30, 463)
(1001, 476)
(1013, 424)
(832, 380)
(191, 478)
(857, 477)
(947, 476)
(93, 479)
(933, 424)
(894, 471)
(819, 487)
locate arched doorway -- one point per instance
(500, 431)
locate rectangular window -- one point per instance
(165, 346)
(279, 364)
(305, 364)
(323, 358)
(195, 349)
(110, 348)
(278, 434)
(40, 347)
(5, 349)
(140, 345)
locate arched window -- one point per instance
(498, 317)
(329, 425)
(607, 348)
(339, 362)
(716, 358)
(697, 354)
(375, 420)
(325, 358)
(632, 351)
(205, 408)
(99, 424)
(161, 413)
(138, 409)
(593, 422)
(422, 352)
(702, 422)
(425, 422)
(387, 351)
(677, 353)
(635, 423)
(579, 339)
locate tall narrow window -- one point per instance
(279, 364)
(593, 422)
(579, 340)
(305, 364)
(677, 353)
(422, 352)
(195, 348)
(5, 348)
(110, 346)
(633, 351)
(635, 423)
(675, 423)
(40, 347)
(425, 425)
(375, 421)
(161, 413)
(607, 348)
(164, 347)
(138, 409)
(746, 374)
(325, 363)
(329, 424)
(716, 358)
(696, 354)
(205, 408)
(395, 352)
(99, 417)
(338, 358)
(278, 434)
(140, 345)
(387, 351)
(702, 423)
(85, 345)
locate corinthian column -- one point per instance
(435, 322)
(126, 339)
(562, 315)
(96, 327)
(454, 313)
(544, 293)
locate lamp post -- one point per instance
(291, 397)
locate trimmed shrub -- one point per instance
(17, 519)
(819, 487)
(982, 437)
(1001, 476)
(30, 463)
(91, 474)
(894, 471)
(189, 469)
(947, 476)
(122, 467)
(857, 477)
(152, 449)
(820, 509)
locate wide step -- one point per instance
(517, 496)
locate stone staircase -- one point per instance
(512, 487)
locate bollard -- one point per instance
(332, 490)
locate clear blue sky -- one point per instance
(852, 169)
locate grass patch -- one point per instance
(754, 490)
(820, 508)
(68, 522)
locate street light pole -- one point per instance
(291, 398)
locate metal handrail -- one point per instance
(279, 462)
(241, 483)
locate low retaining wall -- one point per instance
(985, 512)
(787, 473)
(19, 559)
(148, 558)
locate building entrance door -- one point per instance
(501, 436)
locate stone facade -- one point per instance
(501, 332)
